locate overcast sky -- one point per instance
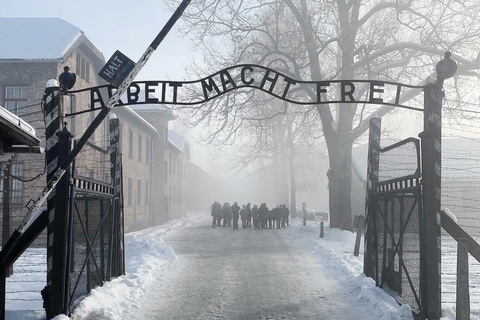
(128, 26)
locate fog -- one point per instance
(255, 183)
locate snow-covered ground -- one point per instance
(147, 257)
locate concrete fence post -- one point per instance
(360, 228)
(463, 293)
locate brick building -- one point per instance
(30, 55)
(143, 148)
(178, 152)
(158, 116)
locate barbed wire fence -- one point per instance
(461, 195)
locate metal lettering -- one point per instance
(242, 74)
(346, 93)
(289, 82)
(374, 89)
(227, 79)
(321, 89)
(272, 80)
(256, 77)
(210, 87)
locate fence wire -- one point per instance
(28, 279)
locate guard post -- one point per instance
(431, 187)
(58, 145)
(431, 139)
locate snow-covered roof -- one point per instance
(460, 159)
(176, 139)
(16, 130)
(36, 38)
(126, 110)
(150, 107)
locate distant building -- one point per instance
(136, 136)
(201, 188)
(178, 152)
(158, 116)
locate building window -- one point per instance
(147, 150)
(170, 194)
(166, 137)
(139, 192)
(130, 143)
(147, 196)
(174, 166)
(16, 100)
(18, 170)
(170, 164)
(166, 171)
(129, 191)
(139, 147)
(83, 68)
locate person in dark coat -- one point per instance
(256, 217)
(214, 214)
(219, 214)
(263, 212)
(225, 209)
(235, 214)
(278, 216)
(285, 214)
(270, 218)
(249, 215)
(243, 216)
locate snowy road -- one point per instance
(244, 274)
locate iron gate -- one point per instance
(96, 220)
(394, 218)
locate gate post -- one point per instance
(58, 145)
(118, 258)
(370, 266)
(431, 139)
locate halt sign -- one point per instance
(116, 69)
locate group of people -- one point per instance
(262, 217)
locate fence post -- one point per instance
(118, 261)
(304, 213)
(321, 230)
(360, 227)
(370, 265)
(431, 186)
(7, 216)
(463, 293)
(58, 145)
(3, 281)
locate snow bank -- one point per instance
(335, 251)
(146, 255)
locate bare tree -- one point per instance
(389, 40)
